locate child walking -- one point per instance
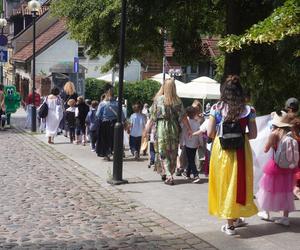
(70, 119)
(137, 125)
(150, 131)
(80, 114)
(191, 144)
(92, 124)
(276, 185)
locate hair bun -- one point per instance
(233, 79)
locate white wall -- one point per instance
(65, 50)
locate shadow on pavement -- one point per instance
(270, 228)
(58, 143)
(132, 159)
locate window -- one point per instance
(81, 51)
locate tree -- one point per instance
(96, 24)
(282, 23)
(270, 66)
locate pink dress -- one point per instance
(276, 188)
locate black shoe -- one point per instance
(163, 177)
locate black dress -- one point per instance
(65, 97)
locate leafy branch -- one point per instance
(283, 22)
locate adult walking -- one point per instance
(231, 169)
(107, 113)
(55, 114)
(167, 111)
(68, 93)
(29, 103)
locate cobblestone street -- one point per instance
(47, 201)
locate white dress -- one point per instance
(55, 114)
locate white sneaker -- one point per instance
(197, 180)
(229, 230)
(264, 215)
(283, 221)
(240, 222)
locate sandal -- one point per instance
(169, 182)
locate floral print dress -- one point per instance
(167, 120)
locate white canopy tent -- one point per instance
(199, 90)
(159, 78)
(204, 79)
(108, 78)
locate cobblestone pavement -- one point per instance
(47, 201)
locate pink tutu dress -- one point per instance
(276, 188)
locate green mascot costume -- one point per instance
(12, 101)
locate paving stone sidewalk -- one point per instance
(47, 201)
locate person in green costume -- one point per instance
(12, 101)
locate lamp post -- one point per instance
(117, 178)
(165, 39)
(34, 6)
(3, 23)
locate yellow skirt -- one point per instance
(223, 183)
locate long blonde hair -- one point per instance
(159, 93)
(169, 91)
(69, 88)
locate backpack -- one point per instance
(43, 110)
(231, 135)
(287, 153)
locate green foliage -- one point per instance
(96, 24)
(271, 71)
(282, 23)
(141, 91)
(272, 74)
(94, 88)
(219, 62)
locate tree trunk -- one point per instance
(233, 26)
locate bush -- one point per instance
(94, 88)
(142, 91)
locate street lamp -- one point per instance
(34, 6)
(3, 23)
(164, 33)
(118, 129)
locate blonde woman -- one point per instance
(168, 112)
(68, 93)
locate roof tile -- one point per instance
(42, 41)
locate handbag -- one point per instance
(43, 110)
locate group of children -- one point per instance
(81, 122)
